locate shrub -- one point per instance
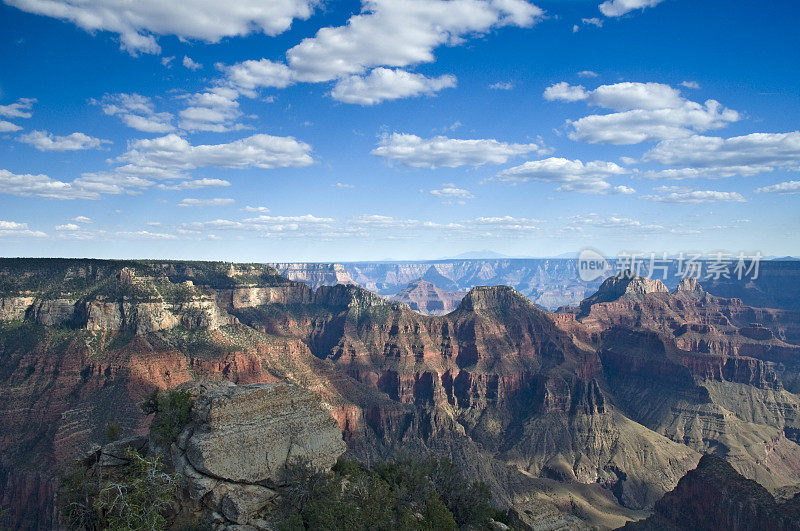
(171, 409)
(113, 431)
(410, 493)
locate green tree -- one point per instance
(139, 498)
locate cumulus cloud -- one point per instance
(215, 110)
(676, 194)
(138, 23)
(387, 84)
(789, 187)
(690, 84)
(399, 33)
(450, 194)
(644, 112)
(67, 226)
(82, 219)
(217, 201)
(502, 85)
(44, 141)
(617, 8)
(190, 63)
(173, 152)
(259, 209)
(587, 73)
(441, 151)
(367, 54)
(8, 127)
(745, 155)
(28, 185)
(137, 112)
(10, 229)
(573, 175)
(248, 76)
(20, 109)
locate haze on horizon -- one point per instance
(403, 129)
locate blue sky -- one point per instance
(405, 129)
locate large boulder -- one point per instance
(240, 440)
(247, 433)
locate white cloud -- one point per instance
(645, 112)
(217, 201)
(573, 175)
(611, 222)
(137, 112)
(195, 184)
(565, 92)
(594, 21)
(146, 235)
(587, 73)
(190, 63)
(617, 8)
(250, 75)
(44, 141)
(399, 33)
(344, 186)
(676, 194)
(441, 151)
(28, 185)
(138, 23)
(789, 187)
(8, 127)
(173, 152)
(386, 84)
(82, 219)
(502, 85)
(259, 209)
(67, 226)
(449, 193)
(14, 229)
(690, 84)
(167, 61)
(20, 109)
(742, 155)
(215, 110)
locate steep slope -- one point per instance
(698, 369)
(424, 297)
(715, 496)
(498, 370)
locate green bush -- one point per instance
(133, 498)
(138, 499)
(410, 493)
(171, 409)
(113, 431)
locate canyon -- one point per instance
(584, 417)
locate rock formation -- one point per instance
(424, 297)
(715, 496)
(578, 418)
(235, 449)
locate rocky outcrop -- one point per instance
(240, 440)
(715, 496)
(424, 297)
(314, 275)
